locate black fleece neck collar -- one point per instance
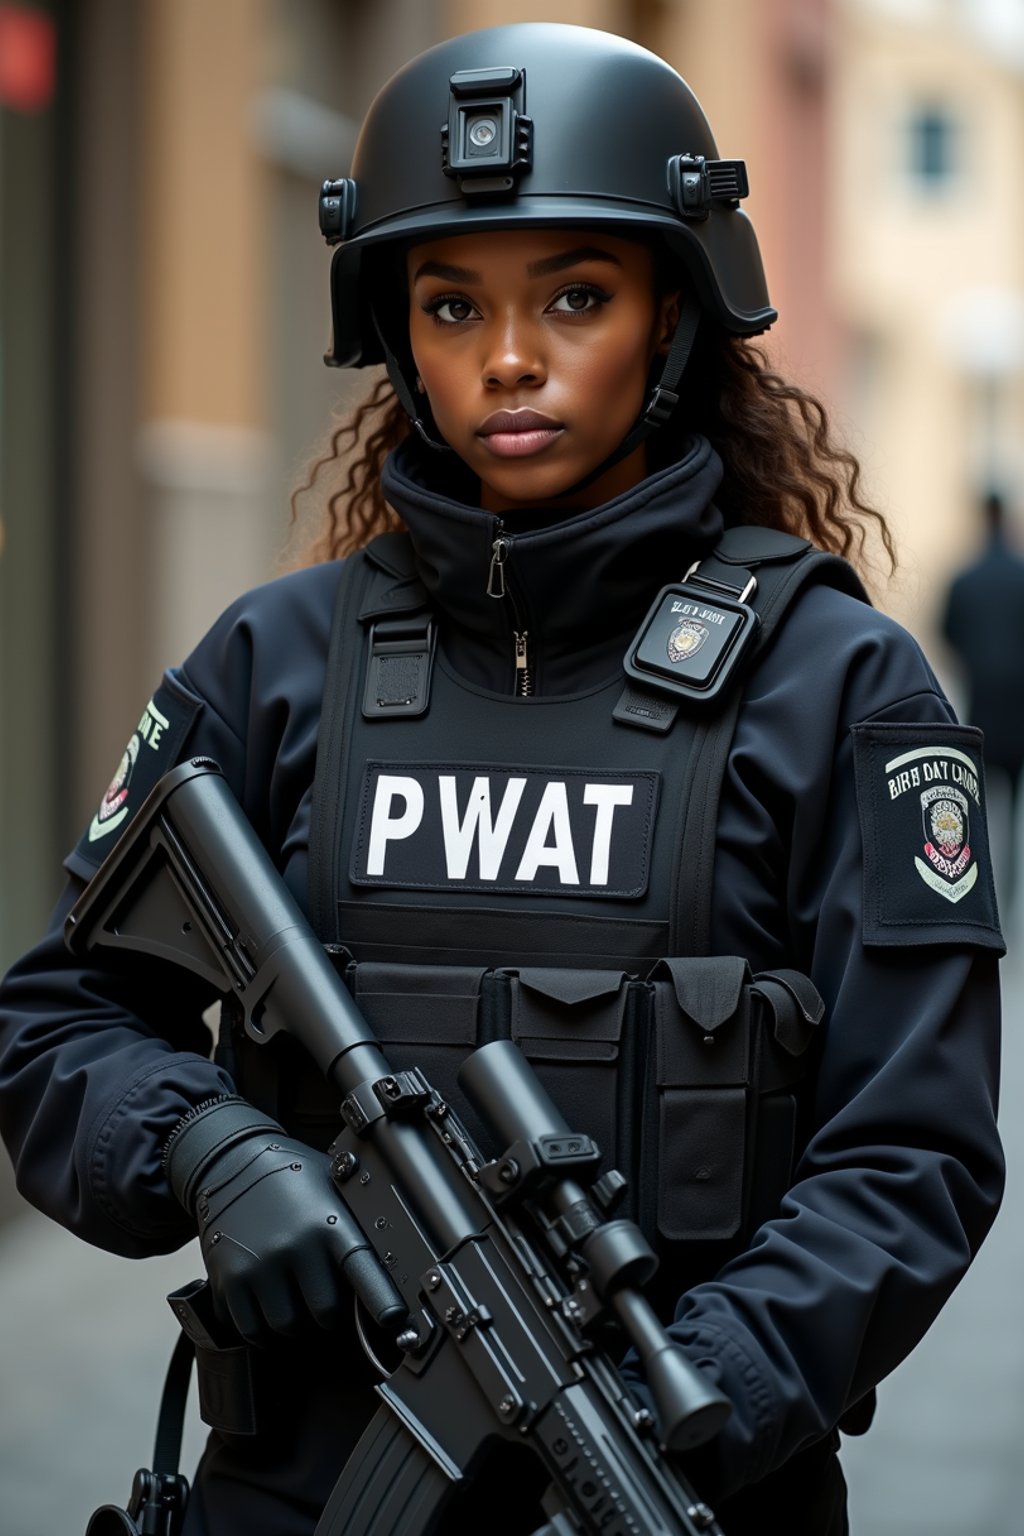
(577, 584)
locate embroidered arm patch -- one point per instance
(927, 871)
(153, 749)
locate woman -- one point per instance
(562, 288)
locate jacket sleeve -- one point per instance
(98, 1061)
(901, 1170)
(96, 1068)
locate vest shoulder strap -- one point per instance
(379, 582)
(782, 566)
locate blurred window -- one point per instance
(933, 147)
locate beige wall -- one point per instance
(762, 72)
(204, 214)
(110, 580)
(203, 447)
(471, 15)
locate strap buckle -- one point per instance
(741, 594)
(399, 667)
(660, 406)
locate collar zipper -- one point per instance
(524, 680)
(497, 587)
(496, 570)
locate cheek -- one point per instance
(434, 377)
(615, 373)
(443, 394)
(441, 369)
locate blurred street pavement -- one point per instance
(85, 1339)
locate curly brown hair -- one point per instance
(783, 465)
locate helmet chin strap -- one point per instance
(400, 385)
(658, 408)
(662, 400)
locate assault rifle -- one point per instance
(510, 1270)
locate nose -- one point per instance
(512, 354)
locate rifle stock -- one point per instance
(504, 1264)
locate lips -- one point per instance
(518, 434)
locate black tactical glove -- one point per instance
(279, 1245)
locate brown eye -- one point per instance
(449, 311)
(579, 300)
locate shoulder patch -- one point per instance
(927, 870)
(153, 748)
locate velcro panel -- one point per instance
(701, 1151)
(399, 678)
(491, 827)
(429, 1004)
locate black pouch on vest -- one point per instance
(687, 1080)
(720, 1127)
(569, 1025)
(702, 1074)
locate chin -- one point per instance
(524, 489)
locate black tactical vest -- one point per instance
(485, 866)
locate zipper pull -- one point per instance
(524, 682)
(496, 571)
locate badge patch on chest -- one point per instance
(446, 826)
(926, 862)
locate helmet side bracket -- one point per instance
(696, 184)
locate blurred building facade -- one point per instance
(927, 269)
(164, 307)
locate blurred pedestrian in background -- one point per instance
(983, 623)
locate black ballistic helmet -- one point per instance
(539, 124)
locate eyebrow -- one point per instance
(542, 268)
(571, 259)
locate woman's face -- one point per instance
(534, 348)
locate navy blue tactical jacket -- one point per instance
(851, 845)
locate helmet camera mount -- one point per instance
(486, 143)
